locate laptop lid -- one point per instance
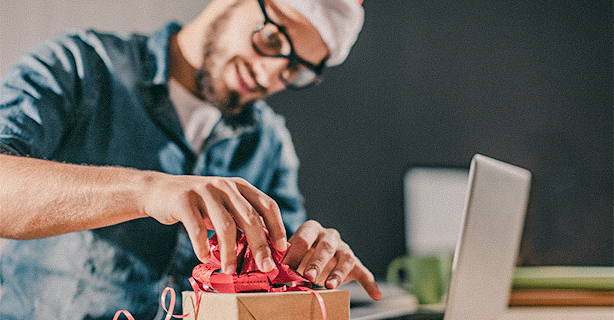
(489, 239)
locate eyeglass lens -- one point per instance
(269, 41)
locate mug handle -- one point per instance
(398, 273)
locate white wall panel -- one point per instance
(23, 23)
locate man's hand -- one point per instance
(223, 205)
(322, 257)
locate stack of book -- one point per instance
(563, 286)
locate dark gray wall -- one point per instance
(434, 82)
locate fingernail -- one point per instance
(205, 258)
(311, 274)
(332, 283)
(281, 244)
(229, 270)
(268, 265)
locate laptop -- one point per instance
(485, 254)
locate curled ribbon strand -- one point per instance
(171, 308)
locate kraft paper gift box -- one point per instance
(290, 305)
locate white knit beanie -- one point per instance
(338, 21)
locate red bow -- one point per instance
(248, 278)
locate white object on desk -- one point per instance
(434, 199)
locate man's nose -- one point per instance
(268, 71)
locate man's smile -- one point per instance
(246, 82)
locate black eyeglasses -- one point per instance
(271, 40)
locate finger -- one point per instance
(363, 276)
(300, 243)
(323, 276)
(227, 240)
(325, 250)
(197, 232)
(345, 261)
(225, 230)
(248, 219)
(268, 209)
(191, 216)
(303, 263)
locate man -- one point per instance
(109, 141)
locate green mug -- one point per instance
(426, 277)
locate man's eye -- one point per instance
(295, 68)
(272, 40)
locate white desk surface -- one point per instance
(396, 303)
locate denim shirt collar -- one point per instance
(158, 44)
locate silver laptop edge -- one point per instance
(489, 240)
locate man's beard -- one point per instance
(228, 103)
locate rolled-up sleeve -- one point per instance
(37, 95)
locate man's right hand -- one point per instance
(220, 204)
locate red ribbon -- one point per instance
(248, 278)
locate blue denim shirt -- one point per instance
(91, 98)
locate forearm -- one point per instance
(44, 198)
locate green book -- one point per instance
(564, 277)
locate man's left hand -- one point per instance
(323, 258)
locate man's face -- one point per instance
(233, 73)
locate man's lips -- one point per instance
(245, 79)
